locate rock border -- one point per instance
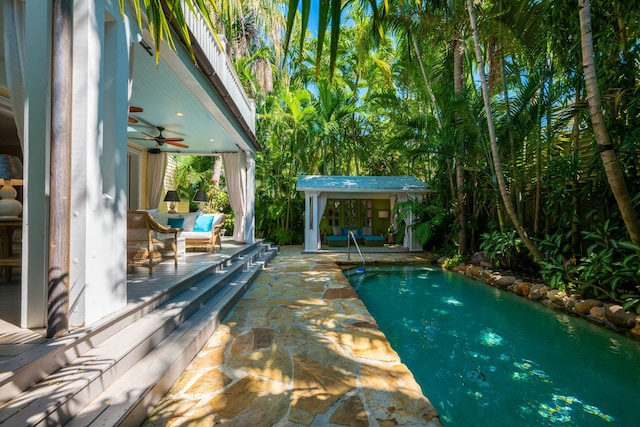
(608, 315)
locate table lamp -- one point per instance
(201, 197)
(172, 197)
(10, 175)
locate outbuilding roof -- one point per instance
(361, 184)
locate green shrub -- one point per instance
(452, 262)
(503, 249)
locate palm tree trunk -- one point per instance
(609, 158)
(461, 197)
(537, 255)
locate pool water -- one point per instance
(486, 357)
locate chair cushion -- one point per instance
(203, 223)
(217, 219)
(356, 231)
(337, 231)
(367, 231)
(176, 222)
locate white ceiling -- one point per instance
(164, 92)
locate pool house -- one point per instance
(363, 204)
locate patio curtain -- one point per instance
(406, 242)
(13, 26)
(156, 166)
(235, 165)
(322, 203)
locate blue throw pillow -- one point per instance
(176, 222)
(203, 223)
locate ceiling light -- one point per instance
(179, 114)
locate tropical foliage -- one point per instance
(487, 101)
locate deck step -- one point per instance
(29, 367)
(159, 341)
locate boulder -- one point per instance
(618, 316)
(635, 332)
(535, 291)
(460, 268)
(480, 259)
(557, 297)
(522, 288)
(473, 271)
(503, 281)
(584, 306)
(597, 312)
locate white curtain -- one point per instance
(13, 26)
(322, 203)
(406, 242)
(156, 167)
(235, 173)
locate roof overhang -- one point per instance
(360, 187)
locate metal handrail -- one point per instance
(353, 236)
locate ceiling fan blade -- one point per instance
(133, 109)
(173, 139)
(132, 120)
(177, 144)
(142, 139)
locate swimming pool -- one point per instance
(486, 357)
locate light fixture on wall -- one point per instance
(10, 175)
(172, 197)
(201, 197)
(383, 214)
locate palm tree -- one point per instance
(161, 13)
(607, 153)
(497, 165)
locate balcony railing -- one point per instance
(221, 65)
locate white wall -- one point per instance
(99, 162)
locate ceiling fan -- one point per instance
(161, 140)
(133, 109)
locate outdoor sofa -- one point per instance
(340, 235)
(200, 231)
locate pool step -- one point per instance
(117, 378)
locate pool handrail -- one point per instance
(353, 237)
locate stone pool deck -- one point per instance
(299, 349)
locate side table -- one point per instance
(7, 260)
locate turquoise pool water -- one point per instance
(486, 357)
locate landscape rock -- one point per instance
(480, 259)
(534, 291)
(504, 281)
(473, 271)
(597, 312)
(635, 332)
(584, 306)
(619, 317)
(522, 288)
(557, 297)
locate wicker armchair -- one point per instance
(206, 240)
(143, 248)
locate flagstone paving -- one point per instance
(299, 349)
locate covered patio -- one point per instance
(359, 203)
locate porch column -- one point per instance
(250, 220)
(413, 243)
(311, 222)
(33, 306)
